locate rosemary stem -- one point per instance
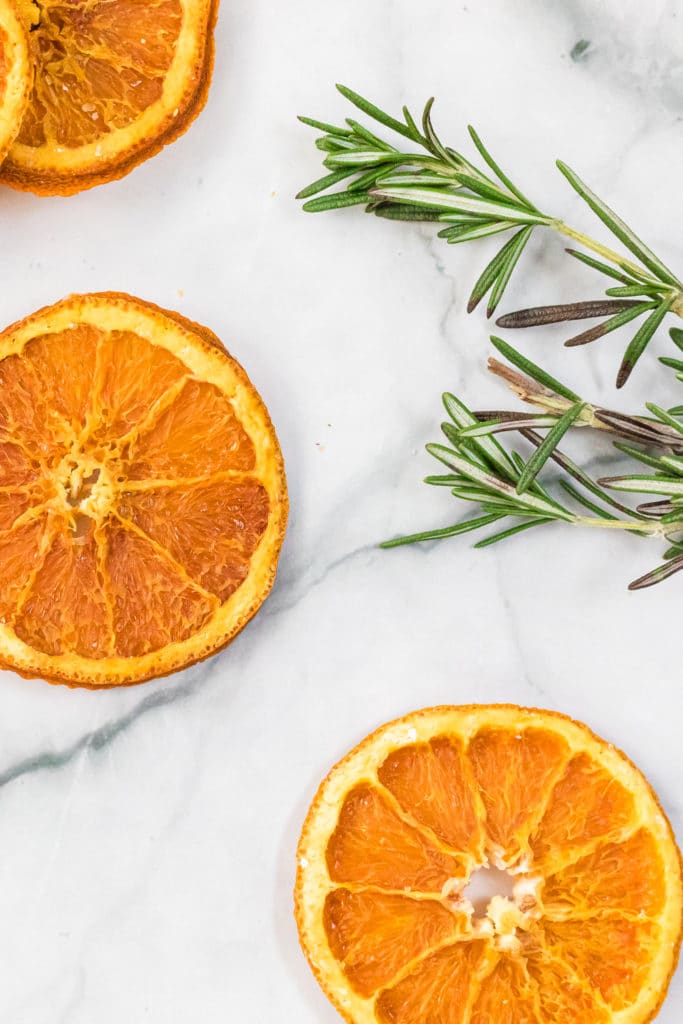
(654, 529)
(597, 247)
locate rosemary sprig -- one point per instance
(433, 182)
(506, 487)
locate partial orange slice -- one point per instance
(142, 493)
(586, 927)
(16, 73)
(115, 80)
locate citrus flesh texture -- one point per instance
(15, 73)
(142, 493)
(115, 80)
(398, 829)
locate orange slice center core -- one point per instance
(85, 486)
(500, 906)
(484, 885)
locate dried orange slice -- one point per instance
(405, 826)
(142, 493)
(115, 80)
(16, 74)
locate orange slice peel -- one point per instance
(16, 74)
(143, 501)
(111, 84)
(590, 929)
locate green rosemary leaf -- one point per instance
(410, 179)
(602, 513)
(536, 487)
(674, 364)
(635, 483)
(657, 575)
(518, 461)
(488, 449)
(452, 434)
(481, 229)
(442, 200)
(364, 134)
(530, 502)
(676, 335)
(330, 144)
(329, 129)
(455, 219)
(365, 181)
(485, 427)
(498, 172)
(433, 141)
(482, 188)
(664, 416)
(465, 221)
(462, 162)
(501, 508)
(604, 268)
(627, 291)
(448, 531)
(550, 443)
(490, 273)
(444, 480)
(641, 340)
(674, 551)
(454, 230)
(618, 227)
(520, 239)
(612, 324)
(322, 183)
(398, 211)
(372, 111)
(470, 492)
(488, 502)
(580, 476)
(362, 158)
(534, 371)
(673, 463)
(334, 202)
(676, 410)
(637, 453)
(412, 127)
(672, 518)
(511, 532)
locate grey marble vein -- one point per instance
(100, 739)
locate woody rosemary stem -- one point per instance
(651, 529)
(596, 247)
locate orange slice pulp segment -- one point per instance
(142, 493)
(590, 928)
(115, 80)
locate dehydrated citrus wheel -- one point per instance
(115, 80)
(142, 493)
(15, 74)
(590, 928)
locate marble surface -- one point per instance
(148, 834)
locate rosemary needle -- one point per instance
(505, 486)
(427, 180)
(424, 179)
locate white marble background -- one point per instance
(148, 835)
